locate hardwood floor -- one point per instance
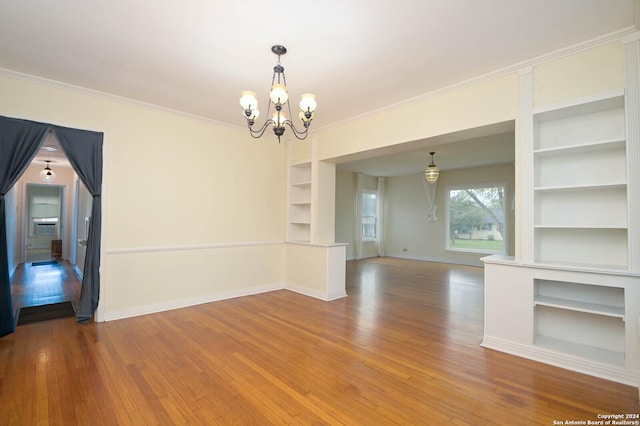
(403, 348)
(44, 284)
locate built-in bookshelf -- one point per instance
(572, 296)
(299, 202)
(580, 200)
(580, 183)
(583, 320)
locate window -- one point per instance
(476, 217)
(369, 215)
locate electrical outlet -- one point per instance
(404, 250)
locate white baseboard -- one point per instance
(192, 301)
(78, 272)
(317, 294)
(184, 303)
(437, 259)
(562, 360)
(336, 295)
(12, 271)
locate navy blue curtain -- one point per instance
(19, 144)
(84, 151)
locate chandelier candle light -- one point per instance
(279, 98)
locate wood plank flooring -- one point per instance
(44, 284)
(403, 348)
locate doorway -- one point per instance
(21, 140)
(46, 276)
(44, 223)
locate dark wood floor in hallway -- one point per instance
(402, 348)
(43, 284)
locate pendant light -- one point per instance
(47, 175)
(432, 171)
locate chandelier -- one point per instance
(279, 98)
(432, 172)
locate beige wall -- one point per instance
(595, 70)
(346, 210)
(172, 181)
(405, 215)
(406, 218)
(191, 207)
(152, 281)
(489, 102)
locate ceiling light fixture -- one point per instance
(278, 97)
(47, 175)
(432, 171)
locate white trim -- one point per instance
(336, 272)
(511, 261)
(559, 359)
(99, 315)
(525, 70)
(616, 93)
(78, 272)
(634, 36)
(340, 295)
(315, 190)
(216, 297)
(501, 259)
(632, 110)
(298, 163)
(303, 243)
(478, 263)
(191, 247)
(190, 301)
(327, 297)
(527, 248)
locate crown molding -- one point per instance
(630, 38)
(627, 34)
(106, 96)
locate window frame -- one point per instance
(364, 238)
(477, 185)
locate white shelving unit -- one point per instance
(580, 183)
(580, 221)
(299, 202)
(580, 319)
(572, 296)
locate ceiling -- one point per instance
(357, 56)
